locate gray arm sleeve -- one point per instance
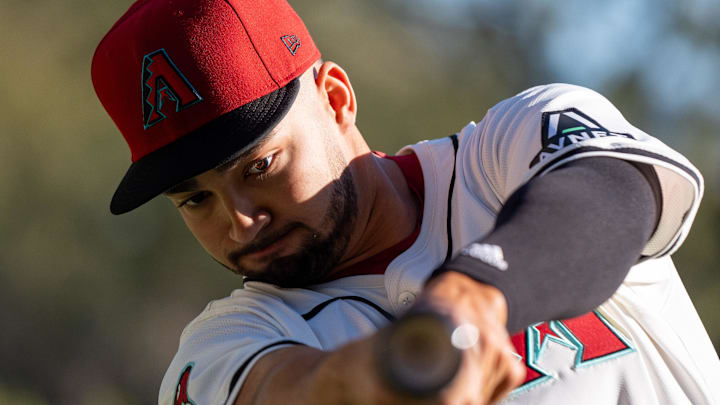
(569, 238)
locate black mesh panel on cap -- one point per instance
(202, 149)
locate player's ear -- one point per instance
(335, 88)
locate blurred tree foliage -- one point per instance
(94, 304)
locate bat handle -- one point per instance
(416, 357)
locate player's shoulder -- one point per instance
(243, 305)
(221, 342)
(548, 119)
(258, 304)
(553, 90)
(554, 96)
(519, 120)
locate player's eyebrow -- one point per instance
(191, 184)
(233, 160)
(186, 186)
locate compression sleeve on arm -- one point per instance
(568, 239)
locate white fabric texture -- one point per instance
(666, 356)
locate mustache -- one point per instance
(265, 241)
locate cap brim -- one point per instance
(203, 149)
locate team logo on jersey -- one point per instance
(590, 336)
(181, 390)
(563, 128)
(291, 42)
(164, 88)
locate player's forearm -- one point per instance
(568, 239)
(302, 375)
(288, 375)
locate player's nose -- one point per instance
(245, 219)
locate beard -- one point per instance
(318, 255)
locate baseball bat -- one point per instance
(416, 356)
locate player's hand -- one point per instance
(489, 368)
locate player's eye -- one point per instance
(260, 166)
(194, 200)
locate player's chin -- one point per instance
(280, 272)
(252, 267)
(293, 271)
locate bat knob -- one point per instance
(416, 356)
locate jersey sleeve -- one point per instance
(547, 126)
(218, 349)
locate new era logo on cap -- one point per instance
(291, 42)
(162, 81)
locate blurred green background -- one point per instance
(92, 305)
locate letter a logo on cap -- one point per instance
(163, 83)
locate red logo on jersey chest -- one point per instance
(591, 337)
(181, 390)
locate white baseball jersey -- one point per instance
(645, 345)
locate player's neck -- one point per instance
(387, 209)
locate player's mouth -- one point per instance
(266, 248)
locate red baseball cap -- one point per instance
(191, 83)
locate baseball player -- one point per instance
(536, 241)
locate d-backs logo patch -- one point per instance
(563, 128)
(164, 88)
(181, 390)
(588, 340)
(291, 42)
